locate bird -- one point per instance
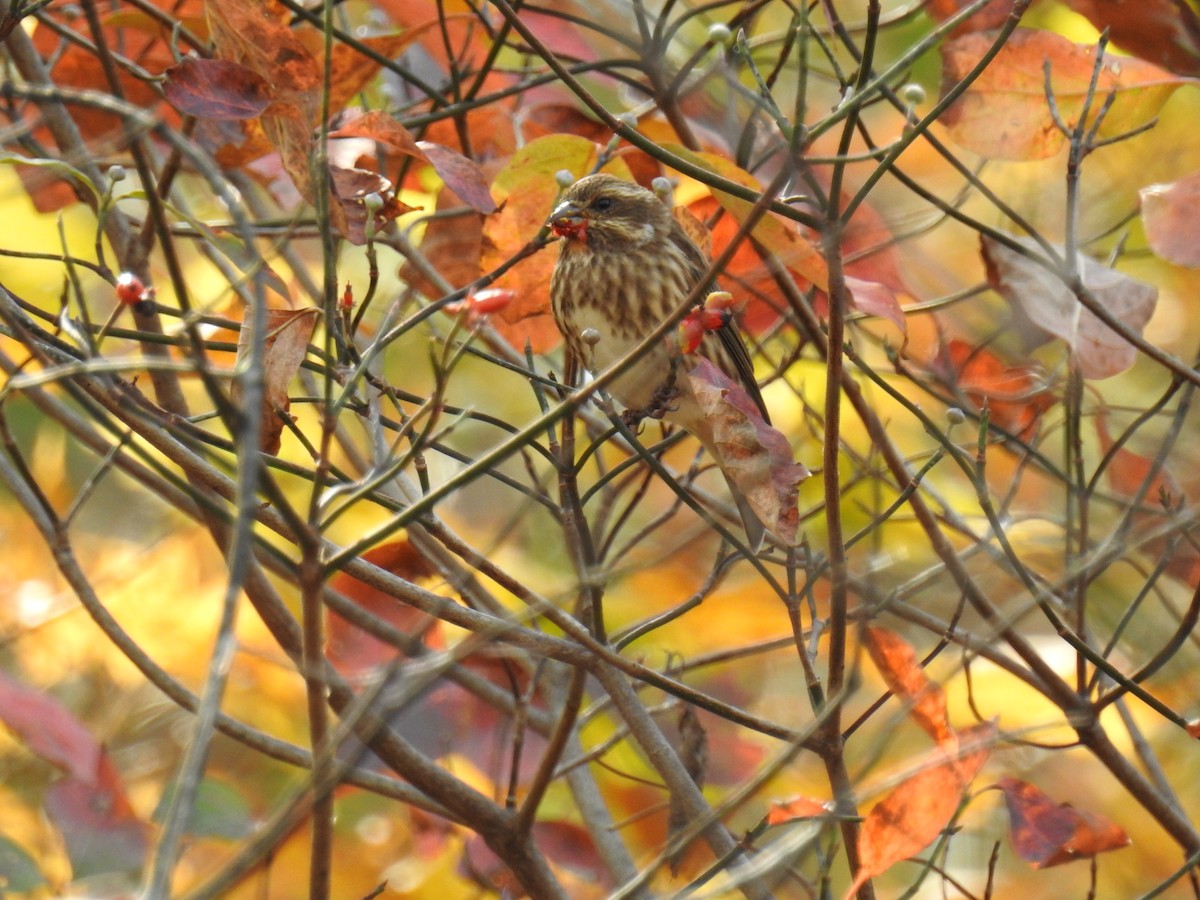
(625, 264)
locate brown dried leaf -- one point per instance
(1046, 833)
(216, 89)
(911, 817)
(897, 662)
(1004, 114)
(1045, 299)
(253, 35)
(755, 456)
(288, 333)
(1169, 216)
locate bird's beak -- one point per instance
(567, 221)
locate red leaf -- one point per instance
(48, 729)
(101, 832)
(216, 89)
(351, 649)
(1004, 113)
(462, 175)
(1160, 31)
(1047, 301)
(755, 456)
(991, 16)
(88, 806)
(897, 662)
(1169, 216)
(1045, 833)
(912, 816)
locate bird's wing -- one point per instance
(728, 334)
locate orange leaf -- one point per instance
(1128, 471)
(462, 175)
(782, 811)
(1004, 114)
(897, 662)
(911, 817)
(352, 70)
(1045, 833)
(1016, 396)
(991, 16)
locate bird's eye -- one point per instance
(602, 204)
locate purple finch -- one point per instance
(625, 265)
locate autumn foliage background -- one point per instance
(318, 579)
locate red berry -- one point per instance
(130, 289)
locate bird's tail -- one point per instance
(755, 530)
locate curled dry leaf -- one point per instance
(1050, 304)
(1046, 833)
(755, 456)
(351, 187)
(897, 662)
(1169, 216)
(288, 333)
(462, 175)
(912, 816)
(1004, 113)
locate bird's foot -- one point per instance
(662, 401)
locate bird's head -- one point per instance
(605, 213)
